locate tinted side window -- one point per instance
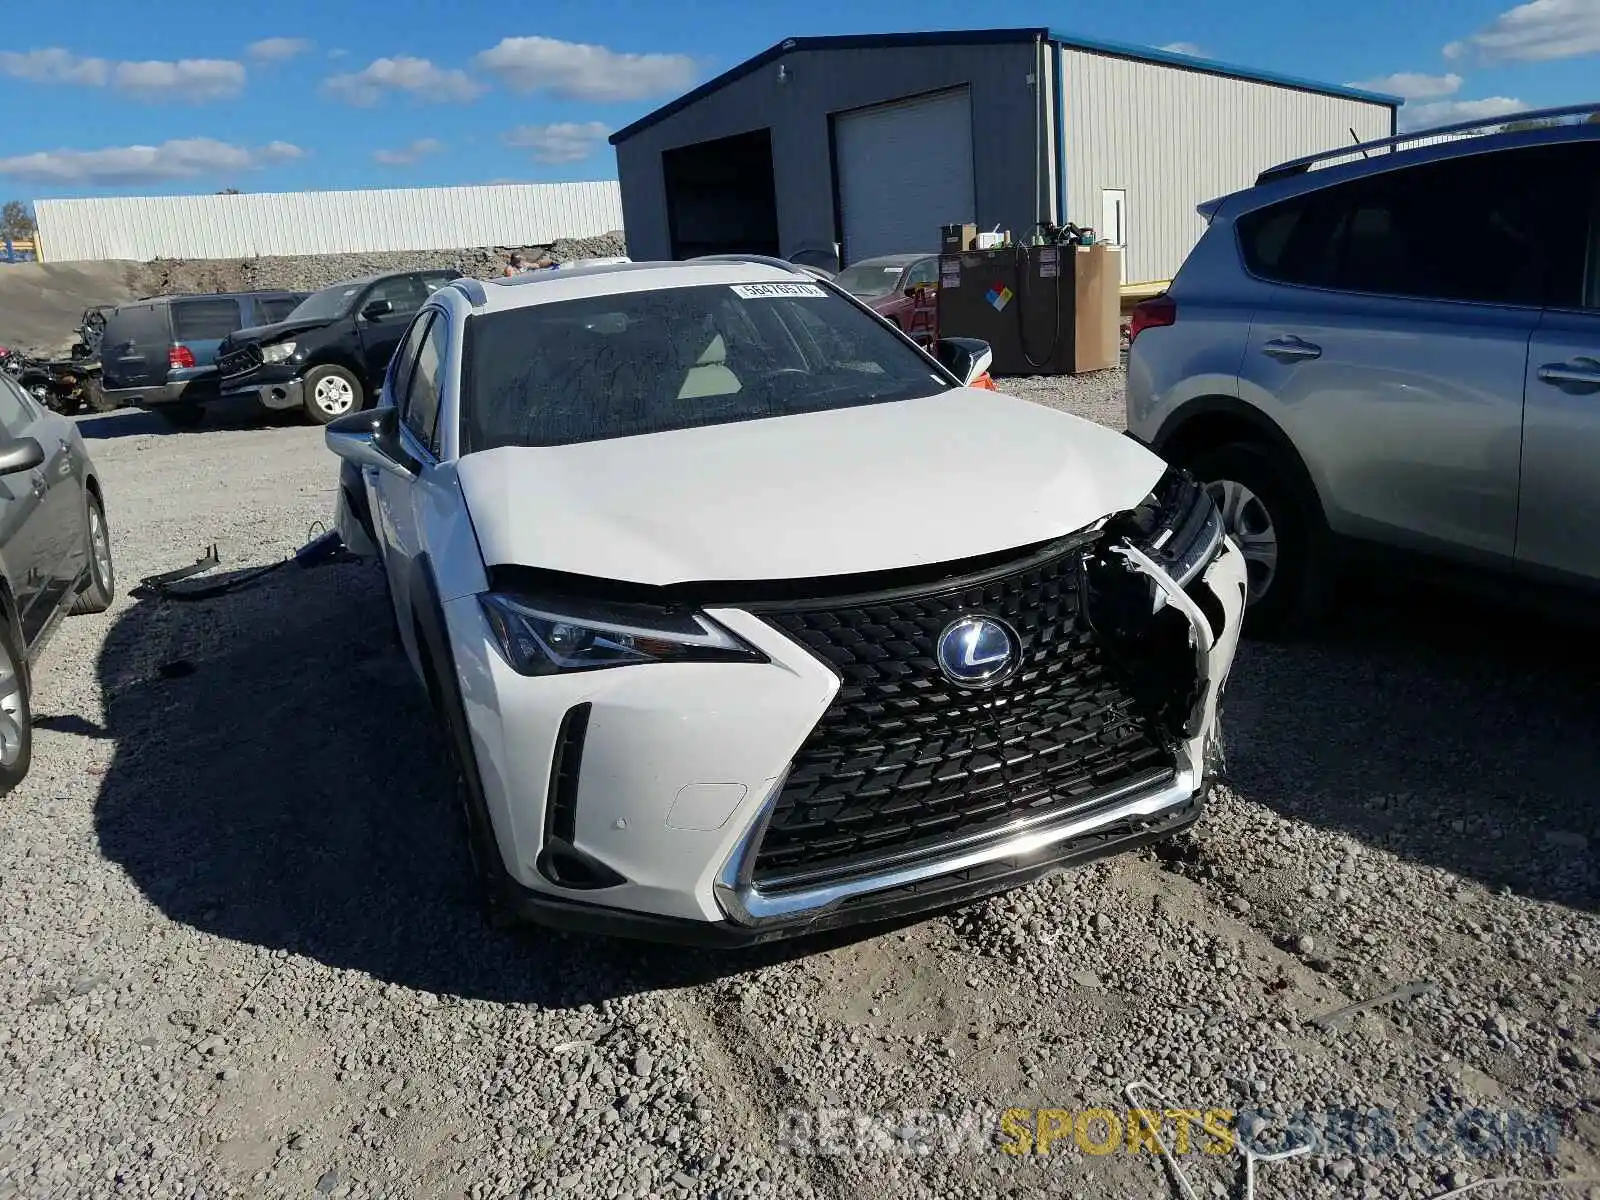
(274, 309)
(1505, 227)
(405, 357)
(421, 410)
(404, 292)
(204, 320)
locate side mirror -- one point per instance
(20, 454)
(968, 359)
(378, 308)
(371, 438)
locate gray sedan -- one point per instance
(55, 554)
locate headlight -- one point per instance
(1178, 526)
(277, 352)
(541, 638)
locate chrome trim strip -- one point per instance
(745, 904)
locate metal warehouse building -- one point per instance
(873, 142)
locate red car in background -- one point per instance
(889, 283)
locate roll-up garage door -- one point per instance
(905, 169)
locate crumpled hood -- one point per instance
(953, 476)
(266, 334)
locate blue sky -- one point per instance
(105, 97)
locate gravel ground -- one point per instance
(237, 957)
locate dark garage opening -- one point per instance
(720, 196)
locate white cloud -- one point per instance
(1189, 48)
(1449, 112)
(579, 71)
(278, 49)
(1411, 85)
(1536, 32)
(565, 141)
(192, 79)
(417, 76)
(407, 155)
(54, 66)
(120, 166)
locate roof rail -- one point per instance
(472, 289)
(764, 259)
(1300, 166)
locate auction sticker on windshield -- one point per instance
(773, 291)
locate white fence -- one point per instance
(243, 226)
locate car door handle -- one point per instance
(40, 484)
(1578, 370)
(1291, 349)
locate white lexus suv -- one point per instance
(744, 616)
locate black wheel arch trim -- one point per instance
(343, 363)
(433, 648)
(1267, 430)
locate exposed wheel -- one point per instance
(182, 416)
(16, 715)
(331, 392)
(102, 587)
(1278, 531)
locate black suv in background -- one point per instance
(160, 353)
(329, 355)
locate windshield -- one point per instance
(869, 278)
(677, 358)
(327, 304)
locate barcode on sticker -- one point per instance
(774, 291)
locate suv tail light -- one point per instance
(1152, 314)
(180, 356)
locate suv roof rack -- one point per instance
(1300, 166)
(765, 259)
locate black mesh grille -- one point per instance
(904, 760)
(240, 361)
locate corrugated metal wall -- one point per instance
(1173, 138)
(243, 226)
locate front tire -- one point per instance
(16, 715)
(330, 393)
(97, 597)
(1279, 531)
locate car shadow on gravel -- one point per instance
(277, 780)
(1454, 732)
(219, 417)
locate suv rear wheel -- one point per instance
(1277, 530)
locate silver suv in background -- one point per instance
(1400, 352)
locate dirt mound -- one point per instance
(41, 303)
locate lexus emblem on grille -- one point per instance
(976, 651)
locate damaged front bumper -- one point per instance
(1177, 639)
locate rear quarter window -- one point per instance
(204, 320)
(270, 312)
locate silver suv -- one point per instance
(1400, 352)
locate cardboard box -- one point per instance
(1097, 318)
(954, 239)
